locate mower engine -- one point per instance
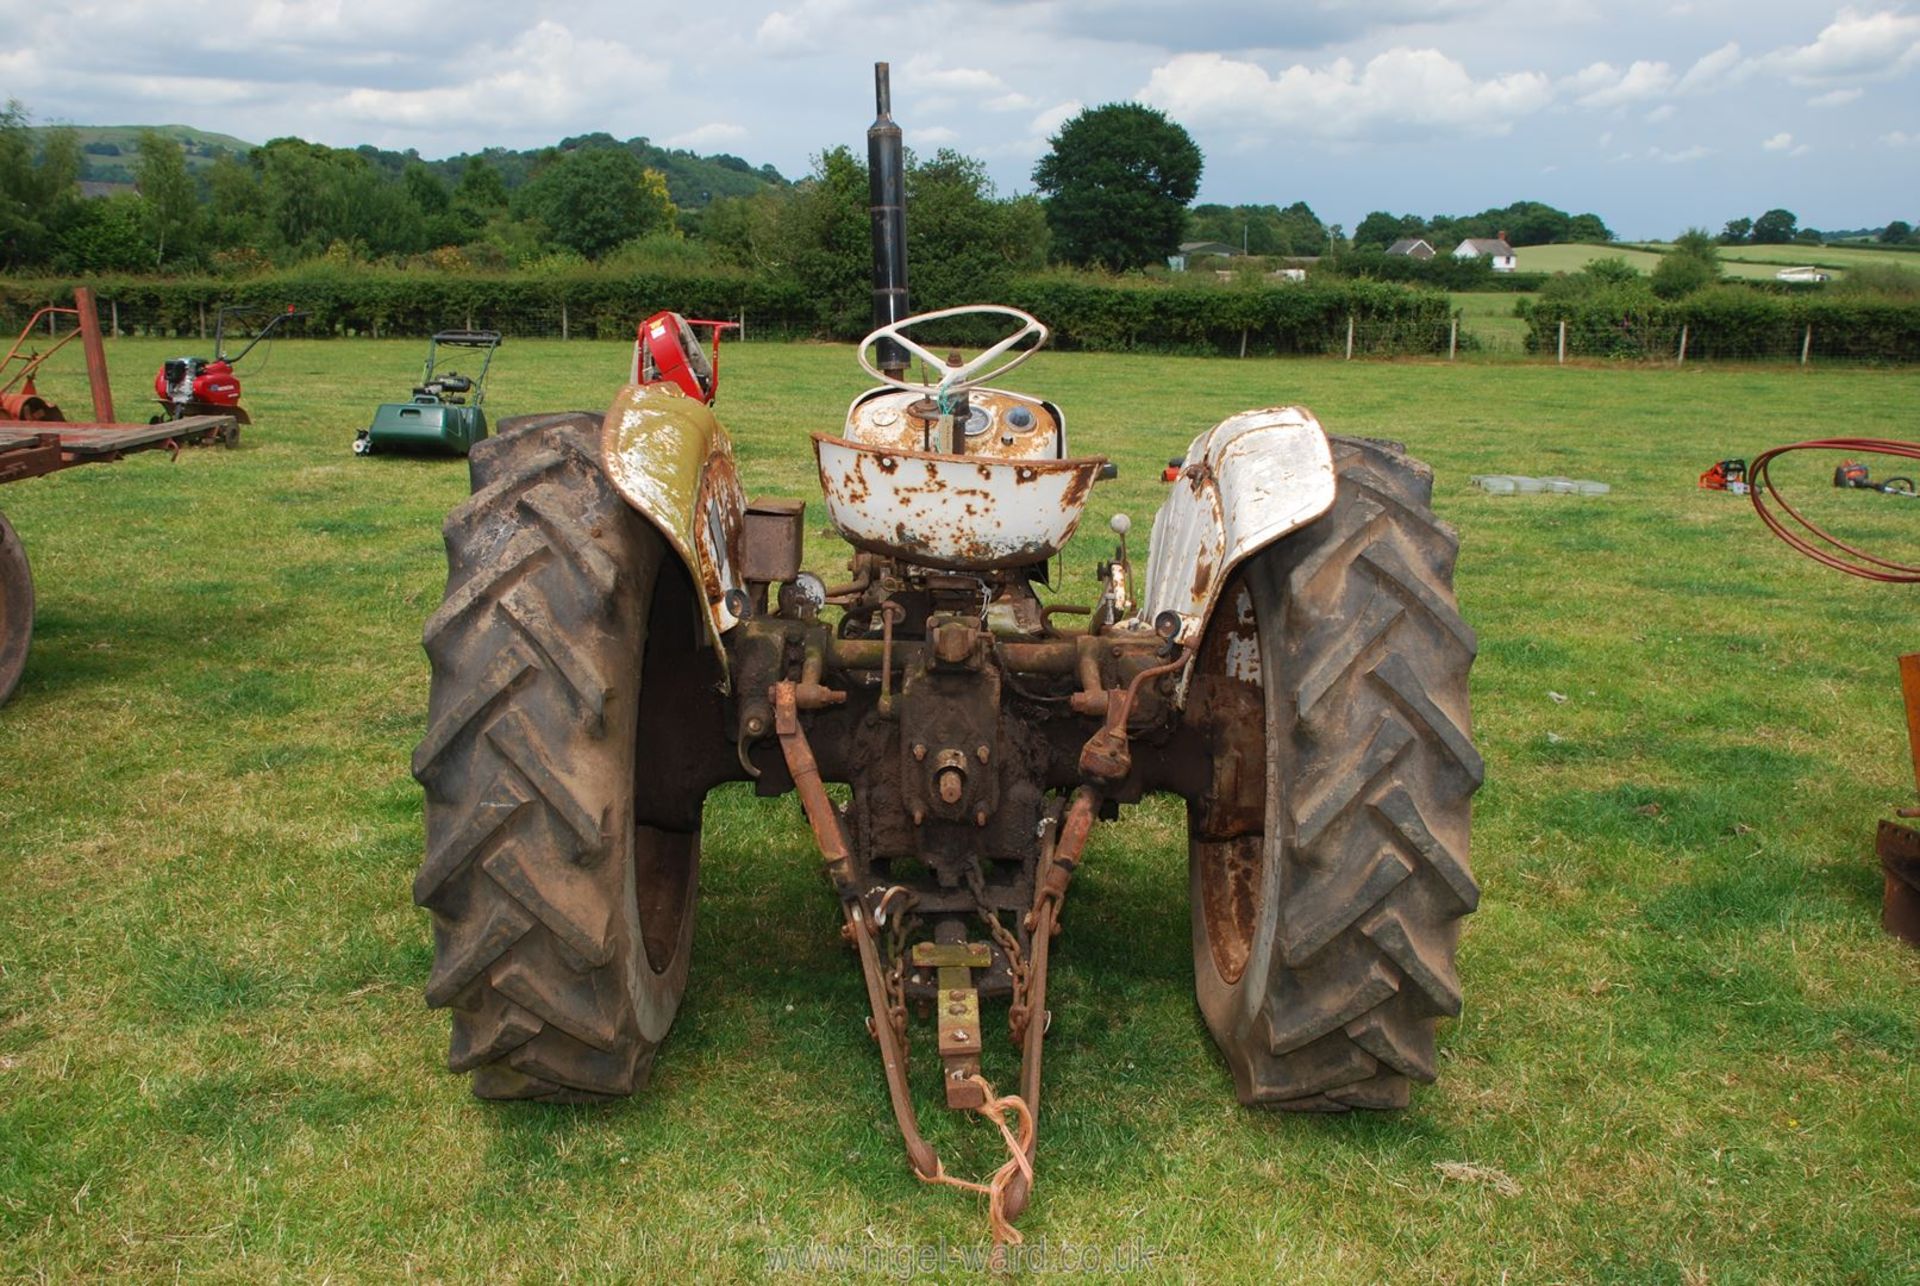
(189, 382)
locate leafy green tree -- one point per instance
(1612, 271)
(1737, 232)
(37, 197)
(825, 241)
(480, 194)
(110, 235)
(963, 245)
(1380, 229)
(1587, 229)
(1774, 228)
(1692, 264)
(172, 205)
(1118, 180)
(1897, 233)
(594, 198)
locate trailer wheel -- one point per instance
(1325, 920)
(561, 928)
(16, 608)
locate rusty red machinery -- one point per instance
(36, 439)
(624, 630)
(1897, 845)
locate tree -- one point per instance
(1774, 228)
(1588, 228)
(1737, 232)
(594, 198)
(37, 199)
(1693, 264)
(1897, 233)
(1117, 182)
(963, 245)
(172, 206)
(1380, 229)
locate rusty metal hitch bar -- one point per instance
(1011, 1187)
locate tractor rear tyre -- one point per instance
(561, 928)
(1324, 946)
(16, 608)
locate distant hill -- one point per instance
(108, 154)
(693, 181)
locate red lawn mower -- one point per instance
(201, 386)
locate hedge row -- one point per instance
(1728, 323)
(1084, 314)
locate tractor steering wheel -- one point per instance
(965, 376)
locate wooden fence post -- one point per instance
(1243, 341)
(1453, 338)
(1806, 344)
(1563, 343)
(1682, 360)
(563, 319)
(203, 319)
(1349, 337)
(113, 305)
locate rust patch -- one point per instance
(887, 463)
(1202, 577)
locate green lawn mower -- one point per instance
(445, 415)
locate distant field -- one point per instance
(1572, 258)
(1838, 258)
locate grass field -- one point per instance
(1572, 258)
(1687, 1052)
(1759, 262)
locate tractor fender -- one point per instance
(1247, 481)
(668, 456)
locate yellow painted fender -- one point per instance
(668, 455)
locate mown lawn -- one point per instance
(1687, 1052)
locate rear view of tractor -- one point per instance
(624, 630)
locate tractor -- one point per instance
(624, 630)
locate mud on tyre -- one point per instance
(561, 928)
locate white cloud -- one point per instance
(1835, 98)
(1011, 101)
(1854, 46)
(1606, 87)
(1681, 157)
(1048, 123)
(709, 137)
(931, 136)
(807, 27)
(1664, 112)
(1419, 90)
(1900, 138)
(549, 76)
(1711, 70)
(1778, 143)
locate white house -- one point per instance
(1412, 247)
(1495, 248)
(1808, 273)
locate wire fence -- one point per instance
(1462, 339)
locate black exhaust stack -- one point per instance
(887, 203)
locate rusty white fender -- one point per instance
(667, 454)
(1248, 481)
(958, 513)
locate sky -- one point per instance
(1657, 115)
